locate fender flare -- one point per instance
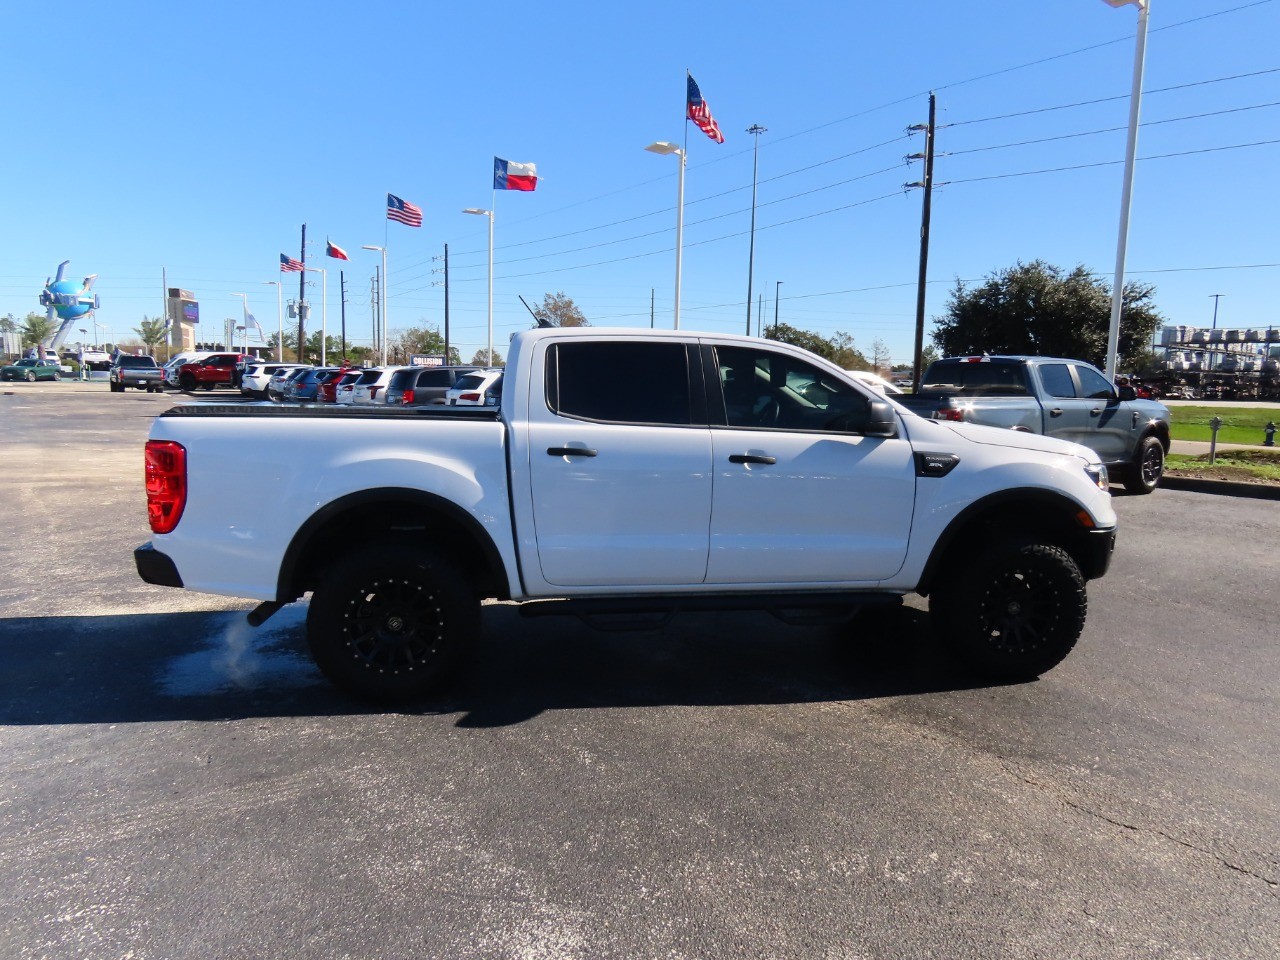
(286, 591)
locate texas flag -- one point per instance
(514, 176)
(331, 249)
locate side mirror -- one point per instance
(1126, 393)
(881, 421)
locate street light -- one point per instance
(244, 313)
(1126, 194)
(382, 334)
(776, 288)
(665, 148)
(476, 211)
(279, 318)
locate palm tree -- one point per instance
(36, 329)
(151, 331)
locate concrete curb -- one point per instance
(1226, 488)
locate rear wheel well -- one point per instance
(1031, 516)
(394, 517)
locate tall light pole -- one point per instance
(1126, 193)
(244, 314)
(777, 287)
(382, 289)
(1216, 298)
(755, 130)
(476, 211)
(670, 149)
(279, 318)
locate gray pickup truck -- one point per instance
(133, 371)
(1068, 399)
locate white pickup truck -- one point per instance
(626, 474)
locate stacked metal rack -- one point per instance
(1227, 364)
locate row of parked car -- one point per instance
(400, 386)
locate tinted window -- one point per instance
(1093, 384)
(1057, 380)
(126, 361)
(369, 376)
(401, 379)
(435, 378)
(978, 378)
(766, 390)
(619, 382)
(469, 382)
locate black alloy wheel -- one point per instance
(390, 622)
(1015, 611)
(1148, 467)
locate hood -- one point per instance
(1018, 440)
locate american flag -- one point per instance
(402, 211)
(700, 113)
(290, 265)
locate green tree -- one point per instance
(839, 349)
(561, 310)
(36, 329)
(1041, 310)
(152, 332)
(426, 338)
(482, 358)
(8, 324)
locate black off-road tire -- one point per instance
(116, 387)
(1143, 476)
(187, 382)
(1014, 610)
(392, 622)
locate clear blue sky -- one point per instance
(199, 137)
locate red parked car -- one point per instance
(327, 390)
(207, 372)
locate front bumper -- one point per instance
(156, 567)
(1098, 548)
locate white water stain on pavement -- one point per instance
(237, 656)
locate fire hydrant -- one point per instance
(1269, 431)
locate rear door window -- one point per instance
(1057, 381)
(620, 382)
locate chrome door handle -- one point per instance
(1055, 412)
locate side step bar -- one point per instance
(652, 613)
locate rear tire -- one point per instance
(31, 377)
(1014, 611)
(187, 382)
(391, 622)
(1148, 466)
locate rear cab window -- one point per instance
(976, 378)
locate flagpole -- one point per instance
(493, 210)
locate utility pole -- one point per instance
(759, 313)
(302, 301)
(373, 311)
(342, 289)
(755, 130)
(651, 308)
(446, 304)
(1216, 298)
(927, 184)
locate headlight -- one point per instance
(1097, 473)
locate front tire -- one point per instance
(1148, 466)
(187, 382)
(31, 377)
(391, 622)
(1014, 611)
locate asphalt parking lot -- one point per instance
(174, 784)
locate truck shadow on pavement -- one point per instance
(212, 666)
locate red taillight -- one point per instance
(408, 397)
(166, 481)
(949, 413)
(472, 397)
